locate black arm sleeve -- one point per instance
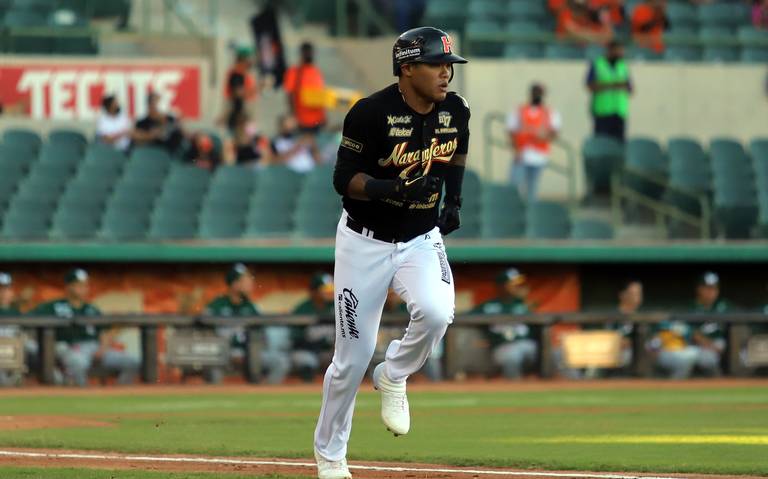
(356, 145)
(454, 176)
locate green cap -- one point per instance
(76, 275)
(320, 280)
(237, 271)
(243, 51)
(709, 279)
(6, 279)
(512, 274)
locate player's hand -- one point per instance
(449, 220)
(418, 189)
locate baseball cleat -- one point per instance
(331, 469)
(394, 403)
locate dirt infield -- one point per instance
(275, 466)
(17, 423)
(494, 385)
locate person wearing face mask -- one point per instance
(296, 150)
(531, 130)
(304, 85)
(608, 80)
(113, 126)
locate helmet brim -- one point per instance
(442, 58)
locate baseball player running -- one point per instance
(400, 146)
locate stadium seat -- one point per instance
(562, 51)
(7, 190)
(311, 224)
(682, 54)
(69, 224)
(719, 14)
(749, 36)
(547, 220)
(721, 54)
(23, 138)
(68, 139)
(602, 156)
(754, 55)
(451, 15)
(150, 157)
(14, 155)
(682, 15)
(523, 50)
(644, 156)
(128, 199)
(238, 178)
(222, 201)
(137, 188)
(172, 227)
(68, 154)
(98, 173)
(484, 48)
(266, 222)
(121, 226)
(588, 229)
(527, 11)
(24, 226)
(502, 213)
(188, 178)
(642, 54)
(17, 41)
(486, 9)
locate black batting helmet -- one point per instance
(423, 45)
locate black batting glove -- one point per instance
(415, 190)
(449, 219)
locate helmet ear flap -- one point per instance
(452, 72)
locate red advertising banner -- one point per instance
(73, 91)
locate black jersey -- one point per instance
(384, 138)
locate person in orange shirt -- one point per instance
(531, 129)
(613, 10)
(649, 20)
(303, 83)
(579, 22)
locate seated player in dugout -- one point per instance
(679, 346)
(8, 307)
(237, 302)
(513, 346)
(313, 345)
(79, 347)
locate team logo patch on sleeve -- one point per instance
(351, 144)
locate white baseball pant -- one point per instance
(365, 268)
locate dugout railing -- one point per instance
(737, 325)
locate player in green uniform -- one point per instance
(8, 308)
(313, 345)
(512, 345)
(237, 302)
(78, 346)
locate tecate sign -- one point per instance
(71, 91)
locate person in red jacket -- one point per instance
(304, 84)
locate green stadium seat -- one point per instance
(221, 227)
(721, 54)
(536, 11)
(177, 206)
(68, 138)
(131, 199)
(715, 35)
(754, 55)
(449, 14)
(588, 229)
(61, 154)
(486, 9)
(122, 226)
(24, 226)
(563, 51)
(642, 54)
(277, 181)
(644, 155)
(148, 157)
(98, 173)
(238, 178)
(7, 190)
(222, 201)
(42, 188)
(311, 224)
(12, 172)
(547, 220)
(484, 48)
(68, 224)
(682, 54)
(172, 227)
(268, 222)
(723, 14)
(502, 212)
(97, 152)
(188, 178)
(602, 156)
(13, 155)
(749, 35)
(23, 138)
(17, 41)
(682, 14)
(523, 50)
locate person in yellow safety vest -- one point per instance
(531, 129)
(608, 80)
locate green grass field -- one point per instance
(712, 430)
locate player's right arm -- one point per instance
(357, 155)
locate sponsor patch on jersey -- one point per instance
(398, 120)
(444, 118)
(443, 131)
(400, 132)
(351, 144)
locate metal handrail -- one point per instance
(489, 142)
(660, 209)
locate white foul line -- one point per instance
(252, 462)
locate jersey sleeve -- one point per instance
(463, 146)
(357, 145)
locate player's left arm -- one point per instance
(449, 219)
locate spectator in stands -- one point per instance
(202, 152)
(760, 14)
(313, 345)
(237, 302)
(78, 347)
(513, 345)
(241, 89)
(608, 80)
(578, 21)
(649, 21)
(247, 147)
(113, 126)
(293, 148)
(680, 346)
(305, 87)
(611, 11)
(531, 130)
(158, 128)
(8, 307)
